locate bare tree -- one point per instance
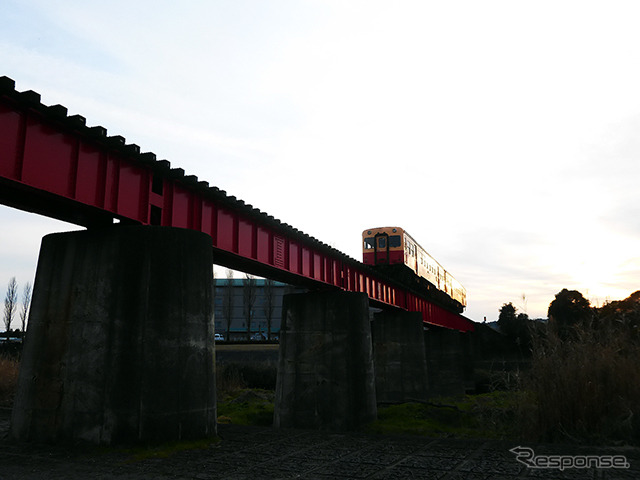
(10, 303)
(26, 302)
(524, 302)
(227, 302)
(249, 299)
(269, 303)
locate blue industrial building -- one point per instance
(237, 300)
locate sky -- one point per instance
(502, 135)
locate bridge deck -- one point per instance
(53, 164)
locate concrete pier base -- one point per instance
(449, 362)
(399, 357)
(120, 341)
(325, 373)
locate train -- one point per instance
(394, 250)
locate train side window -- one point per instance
(369, 243)
(394, 241)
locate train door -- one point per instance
(381, 247)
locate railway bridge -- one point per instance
(120, 341)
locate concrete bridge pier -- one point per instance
(325, 372)
(449, 361)
(120, 341)
(399, 357)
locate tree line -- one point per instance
(568, 314)
(14, 305)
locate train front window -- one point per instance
(382, 243)
(394, 241)
(369, 243)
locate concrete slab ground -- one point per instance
(267, 453)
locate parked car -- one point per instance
(219, 338)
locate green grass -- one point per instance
(165, 450)
(247, 407)
(489, 415)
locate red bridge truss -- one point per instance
(52, 164)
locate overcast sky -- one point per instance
(502, 135)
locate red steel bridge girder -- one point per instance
(54, 165)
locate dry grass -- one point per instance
(584, 389)
(9, 367)
(234, 377)
(229, 380)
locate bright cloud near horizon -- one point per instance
(504, 136)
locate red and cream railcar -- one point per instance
(394, 246)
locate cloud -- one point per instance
(501, 135)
